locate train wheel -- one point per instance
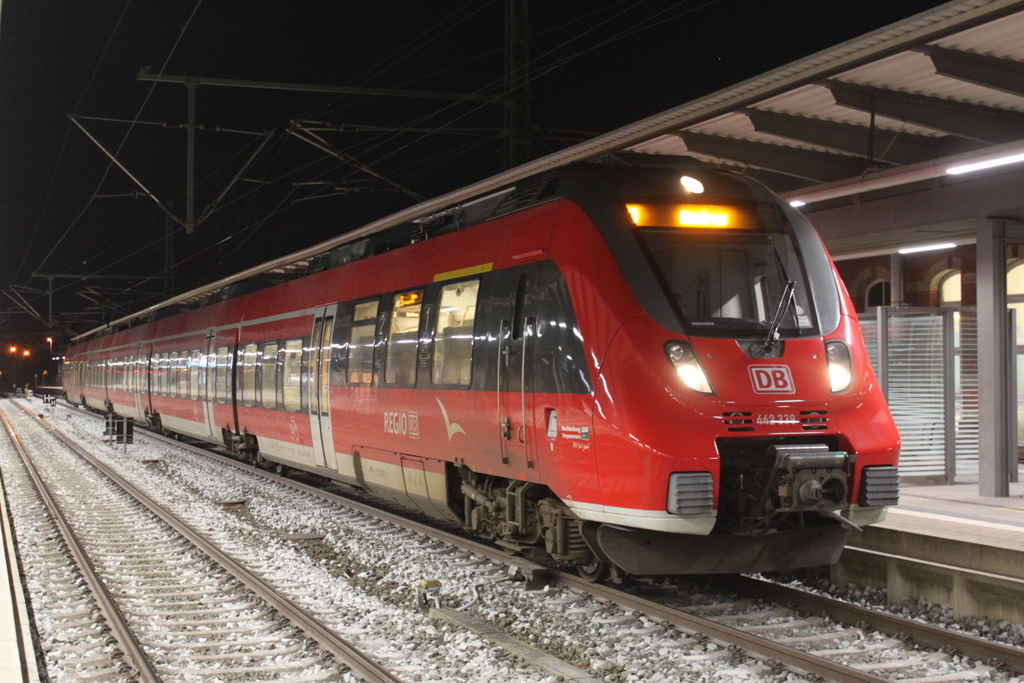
(594, 571)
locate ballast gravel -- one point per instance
(360, 575)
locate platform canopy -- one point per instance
(899, 105)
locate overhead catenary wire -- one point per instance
(149, 93)
(377, 145)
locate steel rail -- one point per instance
(327, 638)
(760, 648)
(926, 635)
(129, 646)
(923, 634)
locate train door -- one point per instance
(515, 402)
(318, 386)
(207, 380)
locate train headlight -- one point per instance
(688, 367)
(840, 367)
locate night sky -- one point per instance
(596, 66)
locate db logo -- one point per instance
(772, 379)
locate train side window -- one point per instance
(248, 362)
(172, 374)
(165, 364)
(144, 373)
(519, 315)
(403, 336)
(268, 375)
(195, 368)
(220, 374)
(453, 341)
(291, 376)
(183, 374)
(360, 346)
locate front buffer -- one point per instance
(808, 479)
(642, 552)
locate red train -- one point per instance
(620, 366)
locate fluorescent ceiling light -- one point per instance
(990, 163)
(1008, 153)
(796, 203)
(927, 247)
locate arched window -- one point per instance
(1015, 295)
(949, 289)
(878, 293)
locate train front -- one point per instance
(742, 402)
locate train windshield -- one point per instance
(731, 283)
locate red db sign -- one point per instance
(772, 379)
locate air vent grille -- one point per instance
(738, 422)
(880, 486)
(691, 493)
(813, 420)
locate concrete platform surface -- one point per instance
(957, 512)
(946, 544)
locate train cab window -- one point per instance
(291, 375)
(360, 346)
(453, 340)
(268, 375)
(221, 368)
(403, 336)
(247, 359)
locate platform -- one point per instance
(17, 654)
(946, 544)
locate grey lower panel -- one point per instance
(653, 552)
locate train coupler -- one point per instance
(810, 477)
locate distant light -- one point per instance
(991, 163)
(927, 247)
(796, 203)
(692, 184)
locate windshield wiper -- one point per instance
(780, 312)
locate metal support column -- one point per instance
(1010, 388)
(949, 393)
(993, 452)
(896, 275)
(882, 371)
(190, 171)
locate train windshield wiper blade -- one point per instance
(784, 304)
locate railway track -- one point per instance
(713, 626)
(176, 605)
